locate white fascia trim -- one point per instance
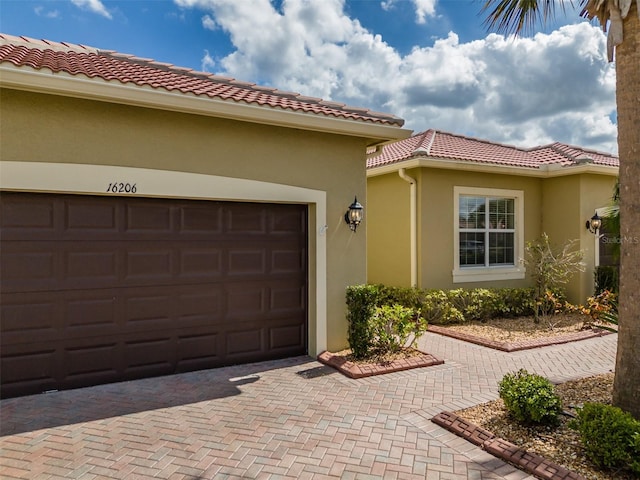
(94, 180)
(545, 171)
(46, 81)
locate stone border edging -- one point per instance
(517, 346)
(498, 447)
(353, 370)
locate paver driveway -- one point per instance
(289, 419)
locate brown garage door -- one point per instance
(102, 289)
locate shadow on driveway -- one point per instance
(47, 410)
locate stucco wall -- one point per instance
(557, 205)
(437, 221)
(388, 224)
(54, 129)
(568, 202)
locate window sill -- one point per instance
(469, 275)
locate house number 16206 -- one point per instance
(120, 187)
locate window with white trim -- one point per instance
(488, 234)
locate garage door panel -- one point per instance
(247, 262)
(25, 318)
(26, 266)
(90, 316)
(202, 350)
(148, 262)
(286, 222)
(287, 298)
(244, 345)
(102, 289)
(146, 217)
(96, 215)
(149, 356)
(202, 306)
(28, 371)
(287, 261)
(144, 309)
(286, 337)
(245, 220)
(26, 215)
(246, 302)
(200, 220)
(83, 363)
(200, 261)
(86, 265)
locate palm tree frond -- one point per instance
(515, 17)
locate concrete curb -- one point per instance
(529, 462)
(353, 370)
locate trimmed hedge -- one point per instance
(389, 318)
(457, 306)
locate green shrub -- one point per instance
(514, 302)
(610, 436)
(475, 304)
(395, 327)
(361, 306)
(607, 277)
(530, 398)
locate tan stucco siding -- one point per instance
(437, 221)
(54, 129)
(388, 227)
(558, 205)
(568, 202)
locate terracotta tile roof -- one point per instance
(127, 69)
(448, 146)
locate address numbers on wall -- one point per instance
(122, 187)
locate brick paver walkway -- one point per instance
(289, 419)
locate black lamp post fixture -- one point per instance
(353, 216)
(594, 224)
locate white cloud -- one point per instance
(208, 62)
(209, 23)
(95, 6)
(424, 8)
(41, 12)
(555, 87)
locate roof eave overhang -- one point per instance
(46, 81)
(544, 171)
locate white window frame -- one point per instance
(497, 272)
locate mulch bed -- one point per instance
(345, 364)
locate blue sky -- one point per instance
(430, 62)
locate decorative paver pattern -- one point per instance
(286, 419)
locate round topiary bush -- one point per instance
(530, 398)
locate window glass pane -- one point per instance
(501, 250)
(471, 249)
(472, 212)
(501, 213)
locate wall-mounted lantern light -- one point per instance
(594, 224)
(353, 216)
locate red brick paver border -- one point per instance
(518, 346)
(529, 462)
(353, 370)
